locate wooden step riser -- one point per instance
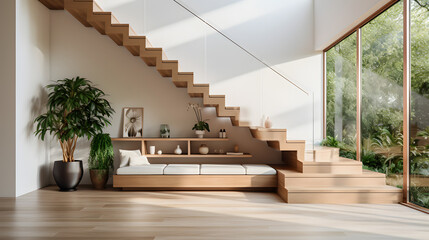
(335, 169)
(332, 181)
(343, 197)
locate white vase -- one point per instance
(268, 123)
(200, 133)
(203, 149)
(152, 150)
(178, 151)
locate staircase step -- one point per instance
(342, 166)
(293, 178)
(341, 195)
(324, 154)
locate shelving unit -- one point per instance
(188, 141)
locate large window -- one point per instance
(381, 99)
(381, 107)
(341, 96)
(419, 122)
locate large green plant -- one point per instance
(75, 109)
(101, 154)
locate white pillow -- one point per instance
(126, 155)
(138, 161)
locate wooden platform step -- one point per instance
(341, 195)
(323, 154)
(293, 178)
(342, 166)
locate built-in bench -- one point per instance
(196, 177)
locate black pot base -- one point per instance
(68, 190)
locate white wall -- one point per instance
(278, 32)
(333, 18)
(32, 74)
(80, 51)
(7, 99)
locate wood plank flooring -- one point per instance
(112, 214)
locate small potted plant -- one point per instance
(75, 109)
(100, 160)
(201, 126)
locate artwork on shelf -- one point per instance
(165, 131)
(133, 122)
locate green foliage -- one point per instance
(101, 154)
(201, 125)
(330, 142)
(75, 109)
(420, 196)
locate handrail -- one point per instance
(242, 48)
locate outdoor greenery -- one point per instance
(382, 91)
(75, 109)
(101, 154)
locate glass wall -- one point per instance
(341, 97)
(381, 100)
(419, 122)
(381, 106)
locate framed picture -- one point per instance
(133, 122)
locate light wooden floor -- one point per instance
(90, 214)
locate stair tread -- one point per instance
(186, 73)
(217, 96)
(232, 108)
(262, 129)
(201, 85)
(290, 172)
(170, 61)
(341, 161)
(385, 188)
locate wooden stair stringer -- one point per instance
(90, 14)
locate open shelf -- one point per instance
(197, 155)
(169, 139)
(187, 154)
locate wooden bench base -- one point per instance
(196, 182)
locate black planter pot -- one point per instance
(67, 175)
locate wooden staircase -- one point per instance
(316, 177)
(325, 177)
(90, 14)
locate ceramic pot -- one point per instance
(99, 177)
(67, 175)
(178, 151)
(203, 149)
(200, 133)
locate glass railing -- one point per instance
(233, 66)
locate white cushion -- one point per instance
(152, 169)
(126, 155)
(259, 169)
(222, 169)
(138, 160)
(181, 169)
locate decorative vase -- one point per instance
(178, 151)
(268, 123)
(200, 133)
(165, 131)
(152, 150)
(159, 152)
(99, 177)
(236, 149)
(67, 175)
(203, 149)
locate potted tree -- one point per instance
(75, 109)
(100, 160)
